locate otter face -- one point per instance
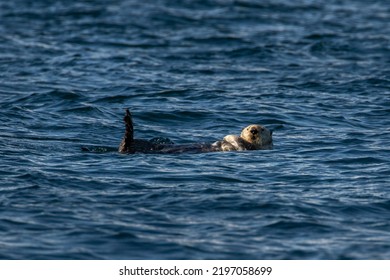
(257, 135)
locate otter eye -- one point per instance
(254, 131)
(262, 129)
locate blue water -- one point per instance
(317, 72)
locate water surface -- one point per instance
(314, 71)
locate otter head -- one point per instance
(257, 135)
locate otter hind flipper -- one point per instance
(127, 144)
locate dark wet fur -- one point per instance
(130, 145)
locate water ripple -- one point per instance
(315, 72)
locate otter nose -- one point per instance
(254, 131)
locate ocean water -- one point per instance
(316, 72)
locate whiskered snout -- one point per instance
(257, 135)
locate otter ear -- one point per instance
(271, 131)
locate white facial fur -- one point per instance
(259, 136)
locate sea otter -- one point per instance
(253, 137)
